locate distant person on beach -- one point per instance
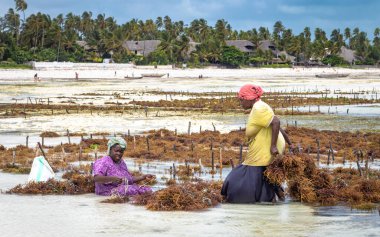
(36, 78)
(111, 174)
(76, 76)
(246, 183)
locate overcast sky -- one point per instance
(241, 14)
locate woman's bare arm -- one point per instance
(275, 130)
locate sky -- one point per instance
(240, 14)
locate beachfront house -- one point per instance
(267, 45)
(244, 46)
(279, 56)
(85, 46)
(92, 53)
(141, 47)
(348, 55)
(192, 46)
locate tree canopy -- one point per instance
(88, 38)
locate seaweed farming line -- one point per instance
(220, 95)
(270, 92)
(306, 184)
(223, 105)
(209, 148)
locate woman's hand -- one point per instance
(291, 147)
(149, 176)
(108, 179)
(117, 180)
(274, 150)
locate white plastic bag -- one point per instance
(41, 170)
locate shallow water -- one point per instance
(13, 131)
(21, 89)
(84, 215)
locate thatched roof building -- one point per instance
(245, 46)
(288, 57)
(85, 45)
(265, 45)
(347, 54)
(143, 47)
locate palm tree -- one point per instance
(21, 5)
(376, 39)
(336, 39)
(86, 24)
(222, 29)
(278, 28)
(182, 47)
(159, 23)
(168, 44)
(150, 30)
(347, 35)
(307, 42)
(264, 33)
(203, 29)
(12, 20)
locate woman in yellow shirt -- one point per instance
(246, 183)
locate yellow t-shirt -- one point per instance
(259, 134)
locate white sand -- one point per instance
(107, 72)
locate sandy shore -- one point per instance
(182, 73)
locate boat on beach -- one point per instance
(332, 75)
(158, 75)
(133, 77)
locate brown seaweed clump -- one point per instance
(77, 184)
(14, 169)
(49, 134)
(116, 199)
(308, 184)
(290, 167)
(187, 196)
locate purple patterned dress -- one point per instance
(106, 167)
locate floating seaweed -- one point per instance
(116, 199)
(77, 184)
(187, 196)
(308, 184)
(49, 134)
(16, 169)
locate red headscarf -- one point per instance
(250, 92)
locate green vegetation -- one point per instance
(12, 65)
(334, 60)
(88, 38)
(232, 57)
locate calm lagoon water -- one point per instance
(84, 215)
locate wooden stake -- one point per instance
(14, 156)
(332, 152)
(147, 143)
(42, 150)
(318, 156)
(232, 163)
(68, 136)
(221, 159)
(241, 154)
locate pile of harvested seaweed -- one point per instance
(77, 184)
(309, 184)
(187, 196)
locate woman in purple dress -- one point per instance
(111, 174)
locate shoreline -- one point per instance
(107, 73)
